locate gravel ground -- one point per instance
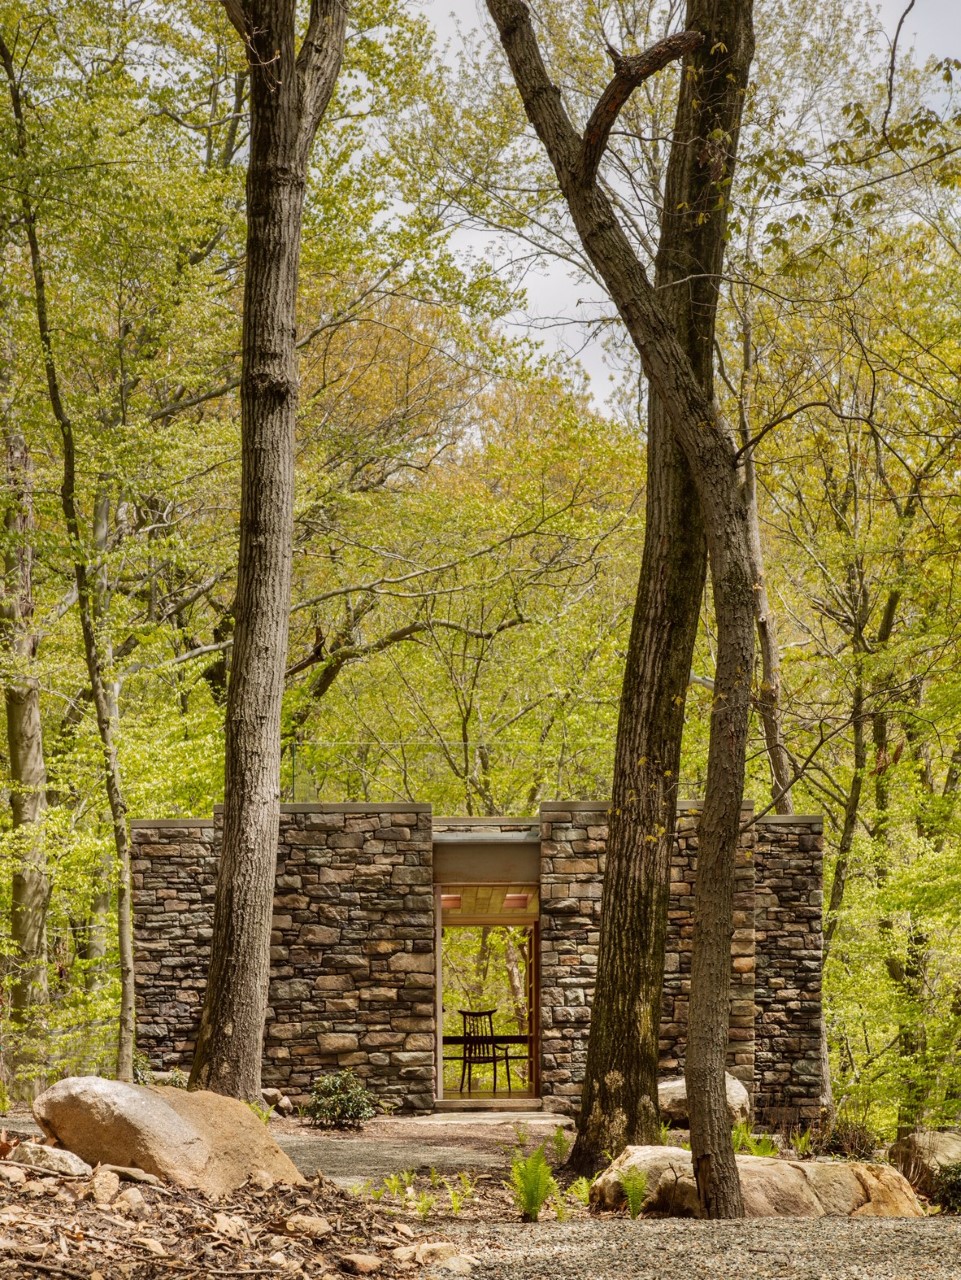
(765, 1249)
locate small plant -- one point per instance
(407, 1177)
(580, 1189)
(460, 1194)
(947, 1187)
(176, 1079)
(142, 1071)
(522, 1135)
(741, 1137)
(560, 1144)
(376, 1193)
(339, 1100)
(761, 1144)
(262, 1113)
(665, 1135)
(435, 1178)
(394, 1183)
(532, 1183)
(424, 1204)
(559, 1205)
(634, 1182)
(802, 1140)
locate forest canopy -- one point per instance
(469, 503)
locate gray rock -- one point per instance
(199, 1140)
(672, 1101)
(50, 1160)
(919, 1156)
(770, 1187)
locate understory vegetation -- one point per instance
(469, 506)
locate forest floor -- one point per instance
(453, 1200)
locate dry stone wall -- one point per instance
(788, 914)
(353, 949)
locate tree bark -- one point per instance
(722, 47)
(28, 776)
(719, 69)
(289, 92)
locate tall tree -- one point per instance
(289, 92)
(721, 49)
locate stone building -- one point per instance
(365, 891)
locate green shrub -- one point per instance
(532, 1183)
(947, 1187)
(634, 1182)
(339, 1100)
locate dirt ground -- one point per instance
(444, 1141)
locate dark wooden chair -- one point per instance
(481, 1047)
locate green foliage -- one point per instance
(460, 1193)
(947, 1187)
(560, 1144)
(339, 1100)
(580, 1189)
(4, 1099)
(803, 1142)
(177, 1079)
(634, 1182)
(424, 1205)
(142, 1071)
(531, 1183)
(262, 1113)
(744, 1139)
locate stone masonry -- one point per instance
(353, 949)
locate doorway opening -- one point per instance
(488, 992)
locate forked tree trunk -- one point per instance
(288, 95)
(722, 39)
(28, 776)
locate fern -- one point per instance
(560, 1144)
(634, 1182)
(531, 1183)
(580, 1189)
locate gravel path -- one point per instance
(765, 1249)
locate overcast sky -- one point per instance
(933, 27)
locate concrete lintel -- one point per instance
(484, 822)
(790, 819)
(486, 837)
(146, 824)
(347, 808)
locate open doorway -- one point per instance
(487, 992)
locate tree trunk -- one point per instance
(28, 775)
(288, 95)
(619, 1100)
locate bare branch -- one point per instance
(628, 74)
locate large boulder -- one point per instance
(770, 1187)
(920, 1155)
(672, 1101)
(198, 1140)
